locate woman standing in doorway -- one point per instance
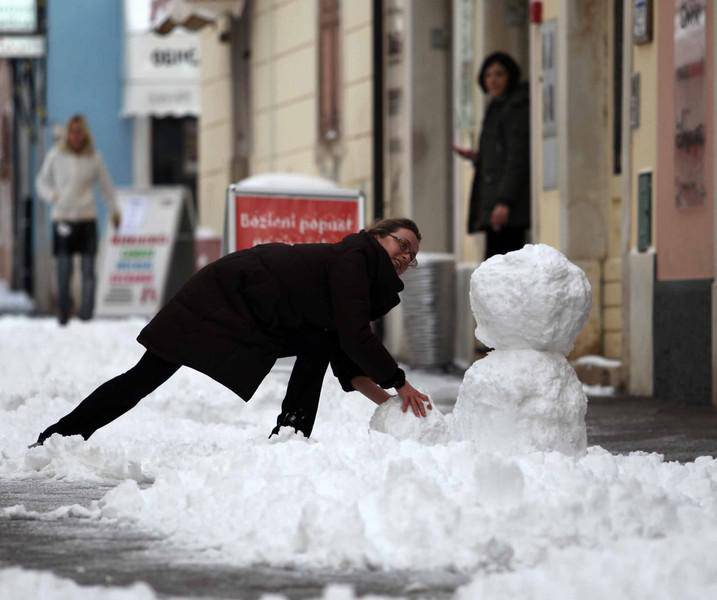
(500, 195)
(66, 181)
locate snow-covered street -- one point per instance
(193, 465)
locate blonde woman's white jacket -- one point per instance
(66, 181)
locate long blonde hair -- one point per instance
(88, 147)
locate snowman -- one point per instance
(529, 305)
(524, 396)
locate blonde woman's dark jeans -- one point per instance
(64, 277)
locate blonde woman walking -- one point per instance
(66, 182)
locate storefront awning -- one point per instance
(191, 14)
(161, 75)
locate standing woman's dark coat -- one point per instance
(235, 317)
(502, 169)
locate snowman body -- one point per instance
(529, 305)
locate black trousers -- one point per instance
(503, 241)
(301, 403)
(114, 398)
(118, 395)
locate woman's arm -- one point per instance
(349, 288)
(409, 395)
(108, 190)
(45, 182)
(368, 388)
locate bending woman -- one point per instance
(233, 319)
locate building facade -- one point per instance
(372, 94)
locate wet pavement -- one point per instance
(115, 553)
(629, 424)
(112, 553)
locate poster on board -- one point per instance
(290, 209)
(139, 257)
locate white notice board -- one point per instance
(136, 258)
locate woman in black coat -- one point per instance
(235, 317)
(500, 195)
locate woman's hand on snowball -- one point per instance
(410, 396)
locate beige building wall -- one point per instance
(356, 99)
(284, 84)
(283, 101)
(612, 286)
(583, 215)
(639, 278)
(215, 128)
(643, 147)
(547, 228)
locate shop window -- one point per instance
(329, 79)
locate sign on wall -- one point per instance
(161, 74)
(549, 72)
(690, 102)
(18, 16)
(463, 67)
(258, 217)
(136, 258)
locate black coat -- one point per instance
(236, 316)
(502, 169)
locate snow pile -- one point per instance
(389, 418)
(192, 463)
(529, 305)
(517, 401)
(663, 569)
(533, 298)
(21, 583)
(14, 302)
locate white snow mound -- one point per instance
(531, 298)
(16, 582)
(389, 418)
(519, 401)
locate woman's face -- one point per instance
(76, 137)
(496, 79)
(402, 247)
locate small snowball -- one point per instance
(531, 298)
(517, 401)
(389, 418)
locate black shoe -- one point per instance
(296, 420)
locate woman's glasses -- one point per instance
(405, 247)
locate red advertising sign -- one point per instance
(262, 217)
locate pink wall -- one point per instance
(683, 236)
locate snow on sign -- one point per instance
(136, 258)
(290, 209)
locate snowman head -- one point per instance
(531, 298)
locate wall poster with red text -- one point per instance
(259, 217)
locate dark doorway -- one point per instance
(174, 153)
